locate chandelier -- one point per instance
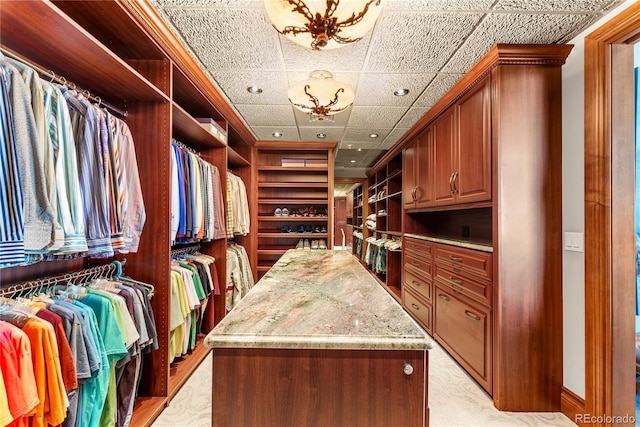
(320, 96)
(323, 24)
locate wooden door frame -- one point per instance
(609, 247)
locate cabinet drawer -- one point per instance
(421, 264)
(460, 259)
(465, 331)
(417, 247)
(417, 283)
(479, 290)
(417, 308)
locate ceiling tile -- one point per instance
(348, 58)
(362, 134)
(437, 5)
(272, 83)
(229, 39)
(378, 88)
(311, 133)
(436, 89)
(265, 133)
(417, 42)
(556, 5)
(375, 117)
(514, 28)
(348, 78)
(355, 145)
(412, 116)
(393, 137)
(267, 115)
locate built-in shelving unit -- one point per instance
(299, 180)
(137, 66)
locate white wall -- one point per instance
(573, 208)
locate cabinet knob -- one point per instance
(407, 369)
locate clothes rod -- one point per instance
(50, 74)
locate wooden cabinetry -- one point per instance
(384, 205)
(417, 160)
(306, 192)
(496, 146)
(417, 280)
(162, 91)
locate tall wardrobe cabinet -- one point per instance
(121, 52)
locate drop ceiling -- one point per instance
(425, 46)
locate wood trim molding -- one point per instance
(572, 405)
(603, 342)
(500, 54)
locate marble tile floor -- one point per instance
(454, 400)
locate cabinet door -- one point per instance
(444, 155)
(424, 170)
(472, 183)
(408, 179)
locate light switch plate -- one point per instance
(574, 241)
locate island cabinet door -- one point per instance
(319, 388)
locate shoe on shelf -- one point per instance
(285, 212)
(308, 229)
(300, 244)
(314, 244)
(285, 229)
(277, 212)
(322, 244)
(323, 229)
(316, 229)
(300, 229)
(306, 244)
(295, 212)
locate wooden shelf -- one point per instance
(293, 201)
(83, 60)
(182, 368)
(235, 159)
(297, 184)
(295, 169)
(188, 130)
(293, 218)
(147, 409)
(278, 235)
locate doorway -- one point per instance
(609, 217)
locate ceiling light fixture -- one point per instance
(254, 89)
(401, 92)
(353, 161)
(322, 135)
(323, 24)
(320, 96)
(373, 135)
(276, 134)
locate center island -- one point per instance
(318, 342)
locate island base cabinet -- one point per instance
(261, 387)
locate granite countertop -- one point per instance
(460, 243)
(318, 299)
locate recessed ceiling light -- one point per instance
(373, 135)
(321, 135)
(401, 92)
(276, 134)
(349, 145)
(254, 89)
(359, 149)
(353, 161)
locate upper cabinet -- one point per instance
(450, 162)
(418, 172)
(472, 176)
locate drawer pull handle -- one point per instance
(455, 258)
(456, 281)
(444, 297)
(416, 283)
(416, 263)
(415, 306)
(472, 315)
